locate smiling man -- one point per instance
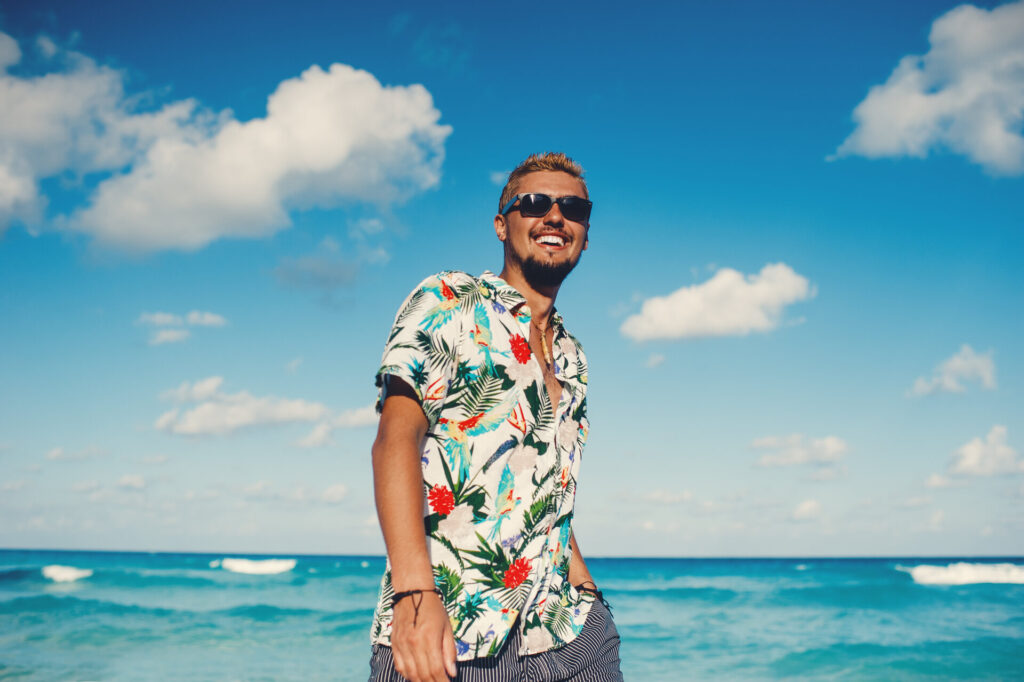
(483, 421)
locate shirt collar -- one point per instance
(512, 297)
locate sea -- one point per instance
(219, 617)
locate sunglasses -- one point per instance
(576, 209)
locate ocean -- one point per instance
(141, 616)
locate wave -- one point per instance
(11, 575)
(257, 567)
(65, 574)
(964, 573)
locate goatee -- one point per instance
(539, 274)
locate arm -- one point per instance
(578, 573)
(422, 643)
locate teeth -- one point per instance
(550, 239)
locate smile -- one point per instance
(550, 240)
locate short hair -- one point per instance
(548, 161)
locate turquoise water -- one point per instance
(128, 616)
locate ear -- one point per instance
(500, 227)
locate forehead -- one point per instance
(553, 183)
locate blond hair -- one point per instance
(548, 161)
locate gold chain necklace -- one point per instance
(544, 343)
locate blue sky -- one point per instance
(800, 302)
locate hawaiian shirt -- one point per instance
(499, 465)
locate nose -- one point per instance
(554, 215)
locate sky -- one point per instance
(801, 303)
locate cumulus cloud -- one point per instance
(965, 95)
(794, 449)
(728, 304)
(963, 366)
(182, 176)
(199, 318)
(808, 510)
(131, 482)
(160, 319)
(990, 456)
(164, 336)
(321, 433)
(219, 413)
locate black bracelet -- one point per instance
(594, 591)
(399, 596)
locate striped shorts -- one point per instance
(592, 657)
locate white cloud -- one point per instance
(321, 433)
(654, 360)
(728, 304)
(808, 510)
(965, 95)
(85, 486)
(335, 493)
(294, 363)
(224, 413)
(798, 449)
(132, 482)
(190, 392)
(59, 453)
(663, 496)
(987, 457)
(499, 178)
(937, 481)
(936, 520)
(160, 319)
(198, 318)
(964, 365)
(182, 176)
(164, 336)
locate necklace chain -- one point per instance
(544, 343)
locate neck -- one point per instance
(541, 301)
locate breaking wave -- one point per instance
(65, 574)
(257, 566)
(964, 573)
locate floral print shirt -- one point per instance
(499, 464)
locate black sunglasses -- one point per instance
(576, 209)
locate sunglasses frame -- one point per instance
(553, 200)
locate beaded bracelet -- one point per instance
(399, 596)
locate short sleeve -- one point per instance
(422, 348)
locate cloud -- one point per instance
(294, 364)
(222, 413)
(915, 502)
(988, 457)
(181, 176)
(728, 304)
(324, 270)
(13, 486)
(964, 365)
(662, 496)
(198, 318)
(808, 510)
(160, 319)
(654, 360)
(131, 482)
(797, 449)
(197, 391)
(164, 336)
(85, 486)
(938, 481)
(499, 178)
(334, 494)
(966, 95)
(321, 433)
(59, 453)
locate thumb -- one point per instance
(448, 652)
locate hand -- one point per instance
(422, 643)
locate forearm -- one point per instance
(578, 572)
(398, 490)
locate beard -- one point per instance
(538, 274)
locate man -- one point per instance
(482, 425)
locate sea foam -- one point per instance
(257, 567)
(964, 573)
(65, 574)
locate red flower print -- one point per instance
(441, 500)
(516, 573)
(520, 349)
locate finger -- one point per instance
(448, 652)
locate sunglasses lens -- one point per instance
(575, 209)
(534, 205)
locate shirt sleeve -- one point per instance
(423, 343)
